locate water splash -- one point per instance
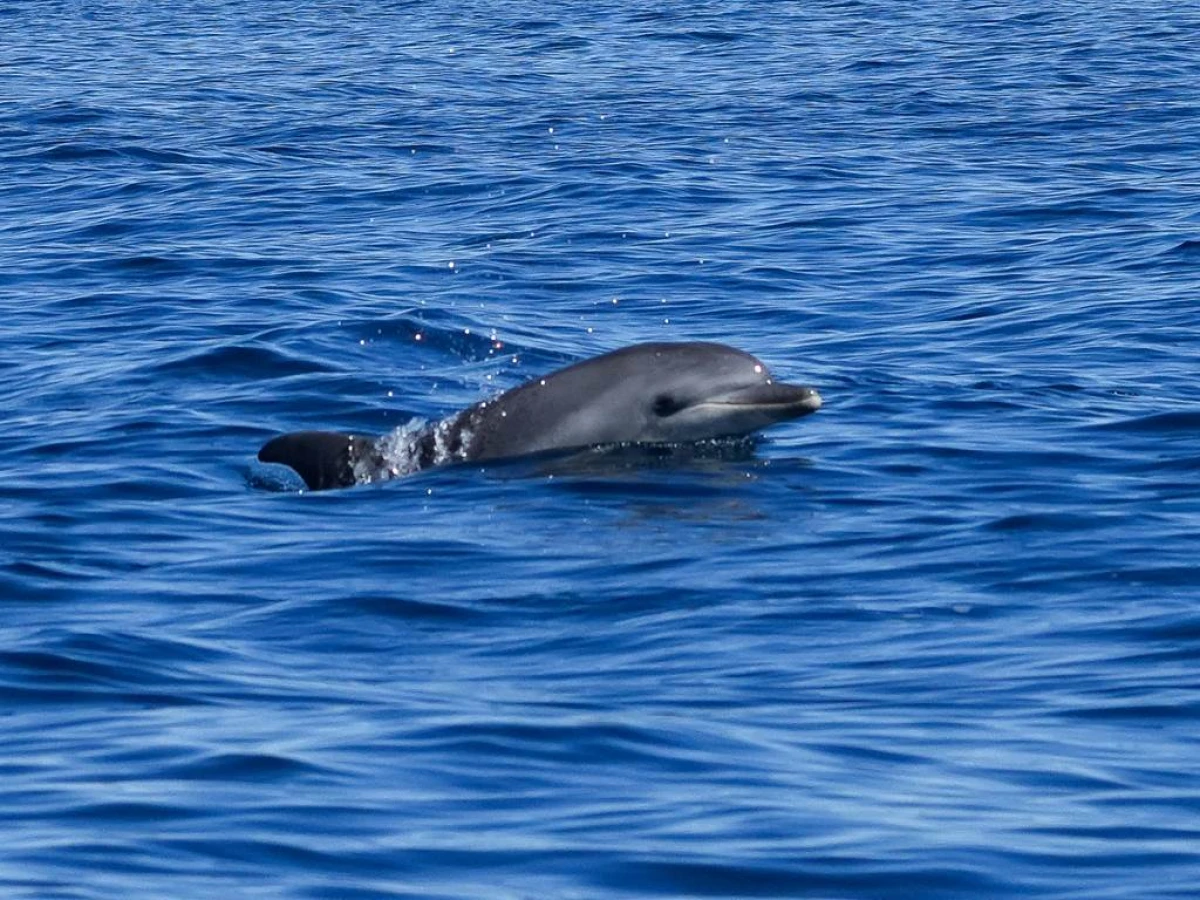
(415, 445)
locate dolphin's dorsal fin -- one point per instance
(324, 459)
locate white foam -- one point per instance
(398, 453)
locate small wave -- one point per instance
(1189, 248)
(657, 875)
(124, 812)
(1044, 521)
(239, 361)
(242, 766)
(414, 609)
(1157, 423)
(78, 151)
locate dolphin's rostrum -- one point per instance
(647, 393)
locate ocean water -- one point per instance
(941, 639)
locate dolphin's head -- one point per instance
(654, 393)
(697, 391)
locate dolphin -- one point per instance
(660, 393)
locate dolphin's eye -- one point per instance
(666, 405)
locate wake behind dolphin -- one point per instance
(660, 393)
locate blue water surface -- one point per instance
(941, 639)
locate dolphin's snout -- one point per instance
(778, 395)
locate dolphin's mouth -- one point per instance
(784, 400)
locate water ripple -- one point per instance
(936, 641)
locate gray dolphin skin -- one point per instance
(661, 393)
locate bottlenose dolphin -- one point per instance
(647, 393)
